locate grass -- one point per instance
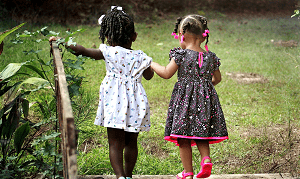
(262, 118)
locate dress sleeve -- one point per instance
(146, 60)
(216, 62)
(103, 48)
(178, 55)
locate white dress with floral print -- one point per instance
(123, 102)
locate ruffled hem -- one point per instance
(144, 128)
(212, 140)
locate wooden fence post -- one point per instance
(66, 118)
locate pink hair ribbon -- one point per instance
(206, 47)
(175, 35)
(206, 32)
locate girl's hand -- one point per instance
(52, 38)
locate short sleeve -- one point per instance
(103, 49)
(216, 62)
(178, 55)
(146, 60)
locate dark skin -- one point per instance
(118, 139)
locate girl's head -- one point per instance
(117, 27)
(194, 24)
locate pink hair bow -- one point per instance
(206, 32)
(175, 36)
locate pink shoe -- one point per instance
(205, 169)
(184, 175)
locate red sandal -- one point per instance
(184, 175)
(205, 169)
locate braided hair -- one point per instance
(194, 24)
(117, 27)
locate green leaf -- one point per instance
(45, 138)
(6, 33)
(10, 70)
(52, 33)
(36, 81)
(45, 31)
(20, 135)
(12, 120)
(44, 112)
(35, 69)
(31, 51)
(74, 89)
(25, 106)
(76, 65)
(70, 41)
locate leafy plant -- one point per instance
(14, 123)
(34, 149)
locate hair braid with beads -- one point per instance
(194, 24)
(117, 27)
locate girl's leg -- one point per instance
(206, 165)
(116, 140)
(185, 150)
(131, 152)
(203, 147)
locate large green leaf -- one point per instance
(20, 135)
(6, 33)
(40, 82)
(38, 71)
(11, 69)
(11, 122)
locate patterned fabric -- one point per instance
(195, 111)
(123, 101)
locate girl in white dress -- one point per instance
(123, 106)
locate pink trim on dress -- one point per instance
(212, 140)
(200, 57)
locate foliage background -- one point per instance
(88, 11)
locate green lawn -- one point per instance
(262, 118)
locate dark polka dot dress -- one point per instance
(195, 111)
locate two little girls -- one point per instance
(194, 117)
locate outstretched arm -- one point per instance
(167, 71)
(216, 77)
(88, 52)
(80, 50)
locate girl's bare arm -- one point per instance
(167, 71)
(88, 52)
(80, 50)
(216, 77)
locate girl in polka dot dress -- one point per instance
(123, 105)
(195, 115)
